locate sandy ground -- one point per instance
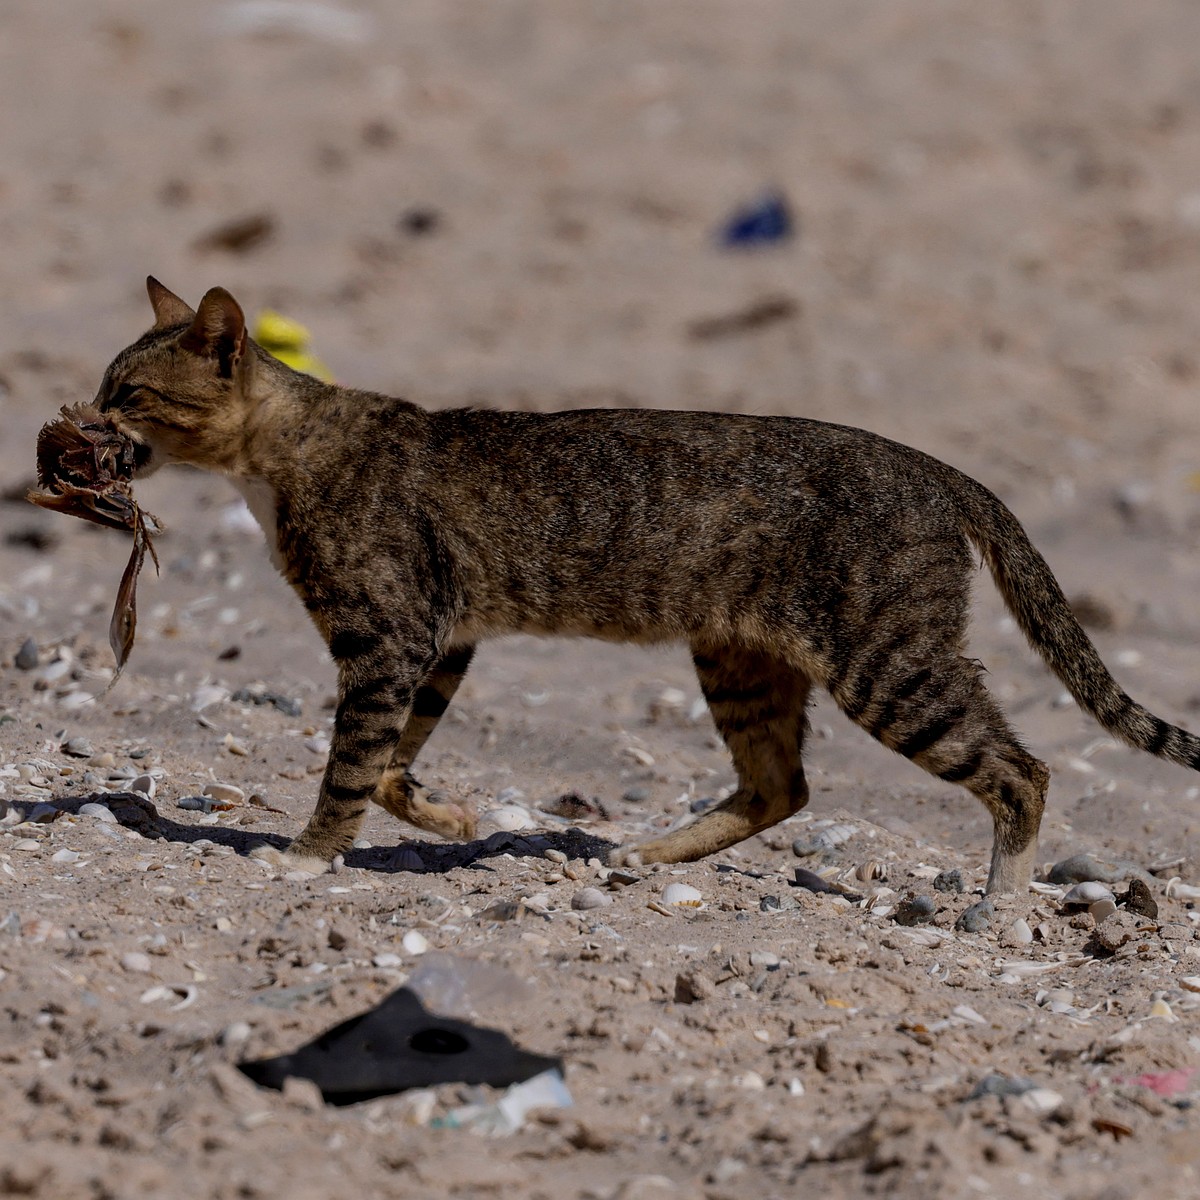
(998, 239)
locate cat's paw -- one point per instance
(625, 856)
(286, 860)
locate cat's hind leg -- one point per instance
(940, 715)
(758, 703)
(398, 792)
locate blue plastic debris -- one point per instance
(760, 223)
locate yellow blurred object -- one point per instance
(288, 341)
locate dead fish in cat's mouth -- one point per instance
(85, 465)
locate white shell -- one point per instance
(506, 819)
(682, 894)
(1021, 931)
(1180, 890)
(1042, 1101)
(1083, 894)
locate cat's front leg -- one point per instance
(375, 701)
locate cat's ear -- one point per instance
(218, 330)
(168, 308)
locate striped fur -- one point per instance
(786, 554)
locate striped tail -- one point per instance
(1038, 605)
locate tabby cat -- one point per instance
(785, 553)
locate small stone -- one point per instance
(1042, 1101)
(235, 747)
(949, 881)
(226, 792)
(1138, 899)
(137, 963)
(914, 910)
(1001, 1085)
(235, 1033)
(414, 942)
(317, 744)
(65, 856)
(589, 897)
(1117, 930)
(691, 987)
(387, 959)
(43, 814)
(27, 656)
(976, 918)
(765, 960)
(1176, 933)
(78, 747)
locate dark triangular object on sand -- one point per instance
(399, 1045)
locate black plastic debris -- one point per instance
(396, 1046)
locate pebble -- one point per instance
(1042, 1101)
(235, 1033)
(828, 838)
(65, 856)
(387, 959)
(1138, 899)
(914, 910)
(414, 942)
(317, 744)
(103, 760)
(42, 814)
(27, 656)
(1001, 1085)
(202, 804)
(949, 881)
(976, 918)
(589, 897)
(78, 747)
(1021, 932)
(99, 811)
(227, 792)
(765, 960)
(1120, 928)
(137, 963)
(682, 894)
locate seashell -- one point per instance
(1084, 894)
(65, 856)
(1023, 968)
(1190, 983)
(1021, 932)
(589, 897)
(227, 792)
(925, 937)
(506, 819)
(871, 869)
(1179, 890)
(1160, 1008)
(1101, 910)
(682, 894)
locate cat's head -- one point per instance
(182, 392)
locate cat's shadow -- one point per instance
(413, 857)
